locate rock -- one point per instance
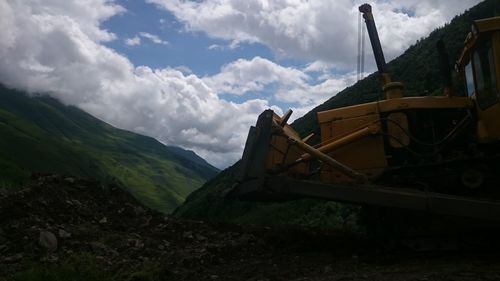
(69, 180)
(146, 221)
(64, 234)
(245, 238)
(136, 235)
(76, 202)
(51, 258)
(139, 211)
(13, 259)
(2, 238)
(103, 220)
(327, 269)
(14, 225)
(113, 252)
(200, 237)
(136, 243)
(43, 202)
(98, 247)
(48, 241)
(3, 248)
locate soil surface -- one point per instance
(55, 218)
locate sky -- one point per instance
(196, 74)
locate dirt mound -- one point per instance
(63, 228)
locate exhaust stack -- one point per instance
(391, 89)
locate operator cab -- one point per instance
(479, 63)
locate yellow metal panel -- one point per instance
(394, 105)
(489, 24)
(326, 130)
(488, 127)
(424, 103)
(347, 112)
(366, 155)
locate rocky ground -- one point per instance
(62, 228)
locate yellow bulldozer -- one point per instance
(430, 154)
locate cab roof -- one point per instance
(479, 28)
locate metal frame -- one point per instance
(283, 188)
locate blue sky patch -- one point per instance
(203, 55)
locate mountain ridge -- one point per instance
(40, 134)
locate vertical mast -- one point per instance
(366, 10)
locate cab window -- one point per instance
(485, 76)
(469, 79)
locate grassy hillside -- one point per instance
(42, 135)
(417, 68)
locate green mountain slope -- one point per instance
(42, 135)
(417, 68)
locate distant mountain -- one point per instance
(191, 160)
(417, 68)
(39, 134)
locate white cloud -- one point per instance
(215, 47)
(242, 76)
(292, 85)
(314, 30)
(234, 44)
(318, 66)
(184, 69)
(48, 49)
(136, 40)
(153, 38)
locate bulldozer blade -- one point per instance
(276, 188)
(253, 162)
(262, 145)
